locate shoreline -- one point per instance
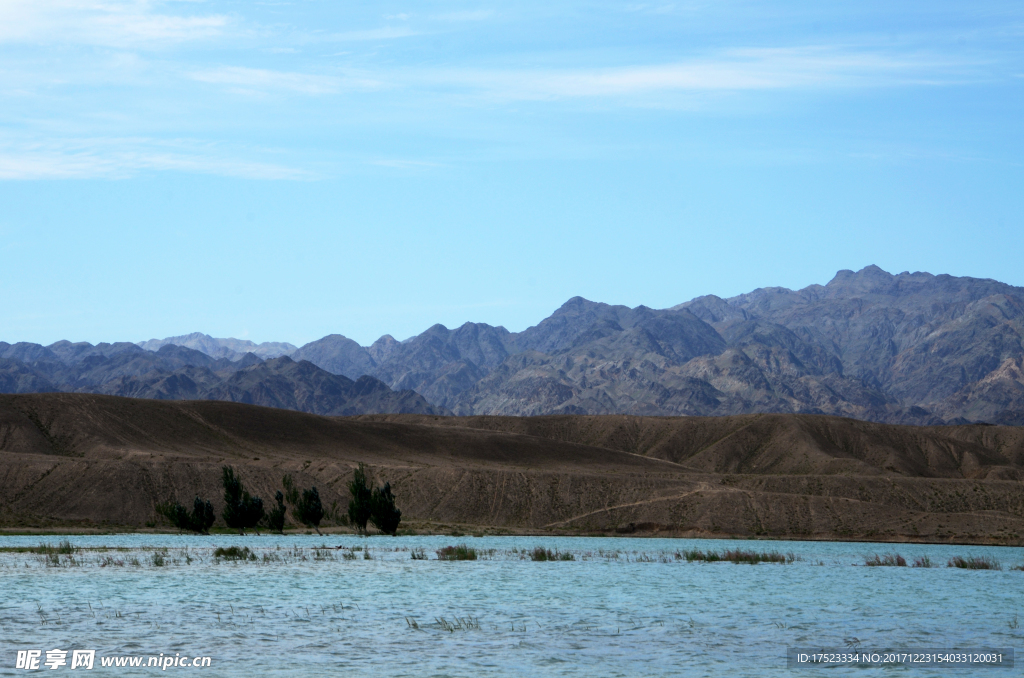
(456, 533)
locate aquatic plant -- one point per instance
(234, 553)
(541, 554)
(460, 552)
(158, 559)
(737, 556)
(753, 557)
(975, 563)
(888, 560)
(457, 624)
(419, 554)
(923, 561)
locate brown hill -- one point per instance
(84, 460)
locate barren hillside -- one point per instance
(70, 460)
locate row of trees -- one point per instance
(243, 511)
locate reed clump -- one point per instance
(456, 624)
(419, 554)
(63, 548)
(234, 553)
(737, 556)
(541, 554)
(923, 561)
(460, 552)
(975, 563)
(887, 560)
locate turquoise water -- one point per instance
(622, 607)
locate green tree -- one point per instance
(384, 515)
(309, 510)
(240, 509)
(359, 505)
(291, 493)
(200, 520)
(275, 519)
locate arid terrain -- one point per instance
(86, 461)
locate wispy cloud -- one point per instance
(123, 158)
(469, 15)
(113, 23)
(384, 33)
(406, 164)
(249, 80)
(735, 70)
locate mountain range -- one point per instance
(912, 348)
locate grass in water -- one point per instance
(456, 624)
(234, 553)
(975, 563)
(923, 561)
(736, 556)
(888, 560)
(460, 552)
(419, 554)
(541, 554)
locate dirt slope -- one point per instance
(85, 460)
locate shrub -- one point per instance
(384, 515)
(275, 519)
(460, 552)
(309, 510)
(359, 507)
(200, 520)
(240, 509)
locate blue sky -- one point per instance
(285, 170)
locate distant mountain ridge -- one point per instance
(179, 373)
(232, 349)
(910, 348)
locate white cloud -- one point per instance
(123, 158)
(385, 33)
(736, 70)
(249, 80)
(112, 23)
(469, 15)
(406, 164)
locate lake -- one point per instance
(620, 607)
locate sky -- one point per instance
(280, 171)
